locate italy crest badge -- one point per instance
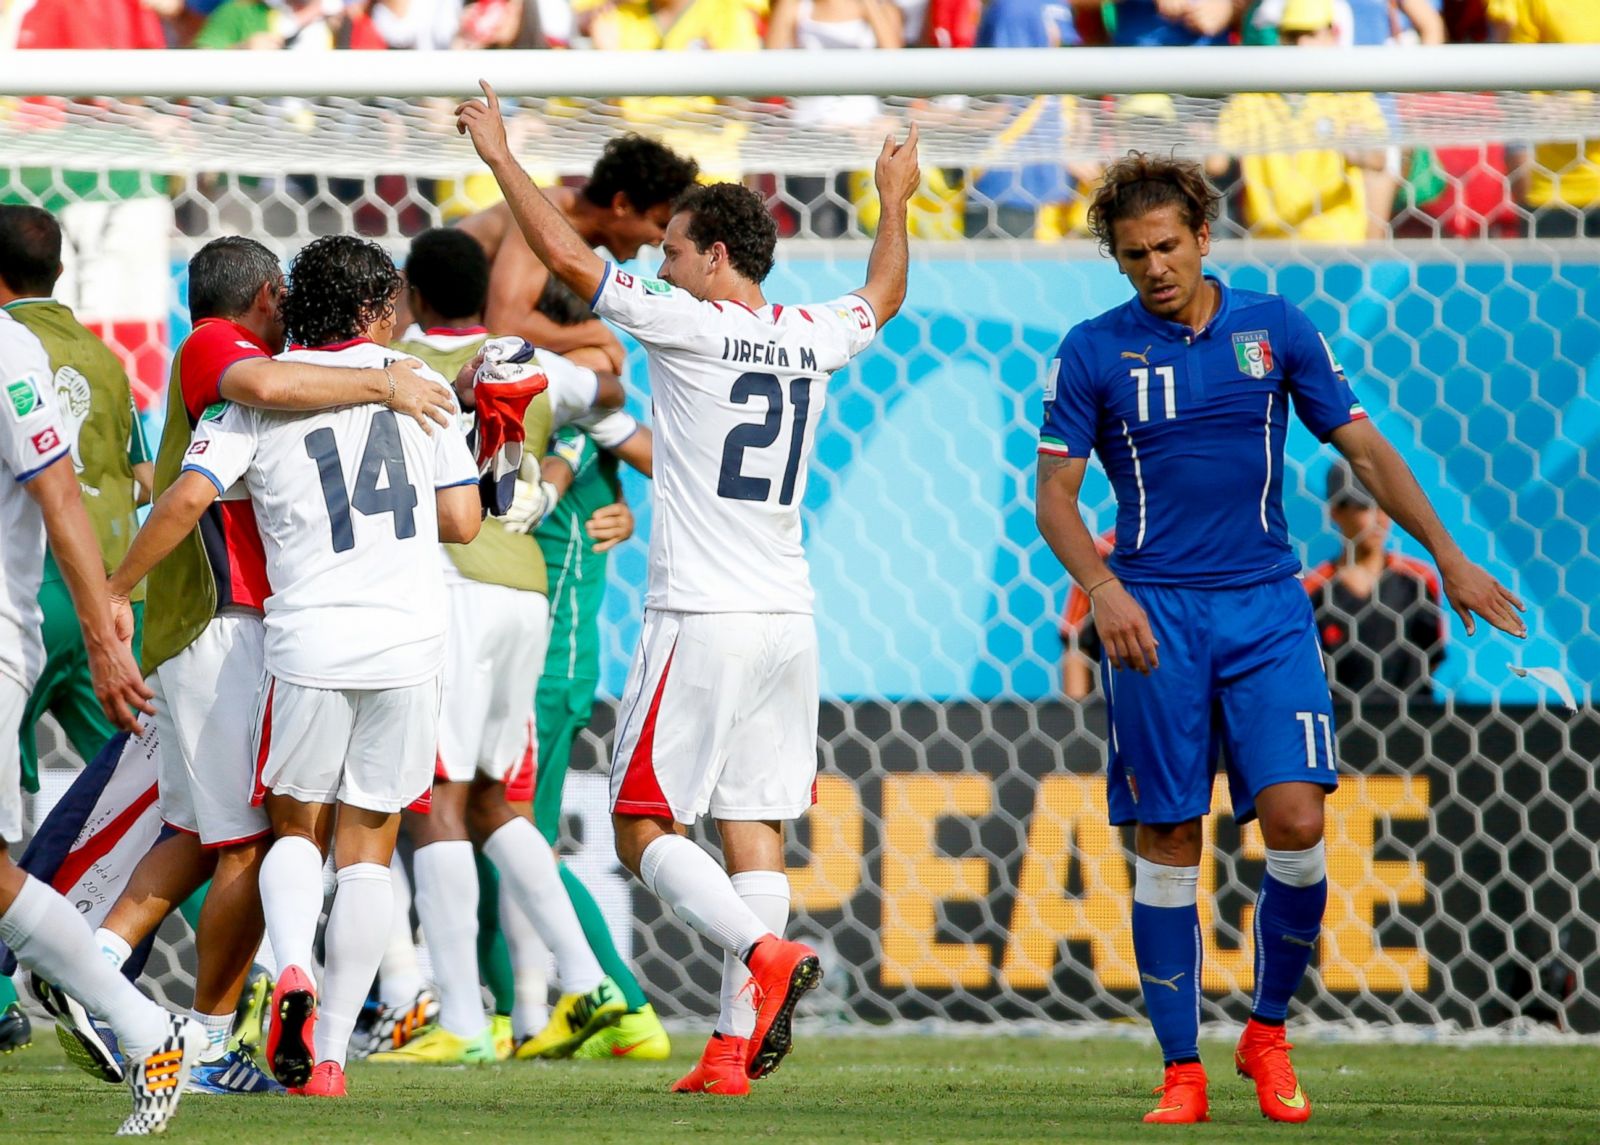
(1253, 352)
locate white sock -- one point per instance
(358, 926)
(447, 905)
(266, 958)
(218, 1027)
(530, 967)
(114, 947)
(767, 894)
(291, 899)
(399, 976)
(1299, 868)
(527, 867)
(52, 940)
(699, 892)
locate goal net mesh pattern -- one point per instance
(958, 866)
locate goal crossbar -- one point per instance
(599, 75)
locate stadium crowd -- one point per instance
(1355, 186)
(427, 25)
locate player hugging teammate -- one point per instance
(328, 586)
(324, 581)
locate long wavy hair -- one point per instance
(1139, 183)
(338, 287)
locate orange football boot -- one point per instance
(1183, 1096)
(1263, 1057)
(292, 1026)
(327, 1080)
(782, 972)
(720, 1069)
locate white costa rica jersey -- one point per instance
(737, 395)
(344, 500)
(31, 437)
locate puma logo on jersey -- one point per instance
(1293, 941)
(1169, 983)
(1138, 357)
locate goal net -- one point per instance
(957, 866)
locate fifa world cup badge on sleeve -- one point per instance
(1253, 352)
(1051, 373)
(1333, 359)
(22, 397)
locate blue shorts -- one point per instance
(1241, 679)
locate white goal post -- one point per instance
(762, 74)
(388, 111)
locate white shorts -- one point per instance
(205, 696)
(372, 749)
(13, 699)
(719, 716)
(494, 652)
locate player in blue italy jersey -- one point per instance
(1211, 651)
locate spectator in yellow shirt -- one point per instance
(1562, 186)
(689, 125)
(1303, 158)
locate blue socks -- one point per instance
(1166, 942)
(1288, 922)
(1166, 946)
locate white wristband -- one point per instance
(610, 428)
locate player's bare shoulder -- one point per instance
(489, 227)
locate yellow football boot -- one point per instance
(436, 1045)
(639, 1036)
(576, 1017)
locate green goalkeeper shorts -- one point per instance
(561, 711)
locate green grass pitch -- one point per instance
(913, 1088)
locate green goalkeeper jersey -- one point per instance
(96, 404)
(577, 572)
(495, 556)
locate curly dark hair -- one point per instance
(561, 304)
(451, 272)
(338, 286)
(1139, 183)
(647, 172)
(734, 216)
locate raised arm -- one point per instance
(117, 683)
(1470, 588)
(548, 233)
(897, 176)
(266, 383)
(516, 282)
(1124, 628)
